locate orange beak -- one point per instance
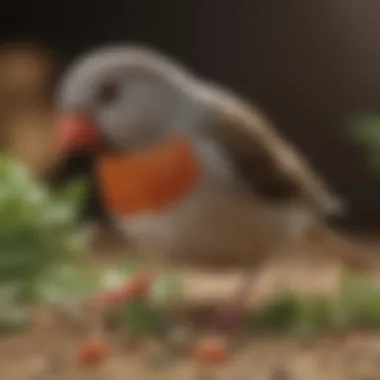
(75, 132)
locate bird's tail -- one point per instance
(351, 254)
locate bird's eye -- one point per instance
(107, 93)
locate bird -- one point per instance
(185, 167)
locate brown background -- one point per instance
(309, 64)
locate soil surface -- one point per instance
(50, 350)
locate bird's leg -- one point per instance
(157, 268)
(231, 315)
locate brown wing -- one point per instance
(264, 160)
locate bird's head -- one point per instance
(117, 102)
(122, 98)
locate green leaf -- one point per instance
(280, 314)
(70, 283)
(140, 318)
(167, 289)
(14, 320)
(362, 301)
(127, 268)
(38, 232)
(365, 129)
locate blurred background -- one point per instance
(311, 65)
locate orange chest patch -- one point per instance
(148, 179)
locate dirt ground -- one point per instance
(49, 351)
(54, 357)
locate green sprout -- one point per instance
(38, 232)
(357, 305)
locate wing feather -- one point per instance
(265, 161)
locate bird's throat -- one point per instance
(149, 179)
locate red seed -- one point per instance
(211, 351)
(137, 287)
(92, 352)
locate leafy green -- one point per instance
(14, 320)
(70, 283)
(38, 229)
(356, 305)
(141, 318)
(279, 314)
(167, 289)
(365, 129)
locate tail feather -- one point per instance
(353, 255)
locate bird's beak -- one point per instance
(76, 133)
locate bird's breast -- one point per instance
(149, 180)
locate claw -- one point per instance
(231, 315)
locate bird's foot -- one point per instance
(231, 315)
